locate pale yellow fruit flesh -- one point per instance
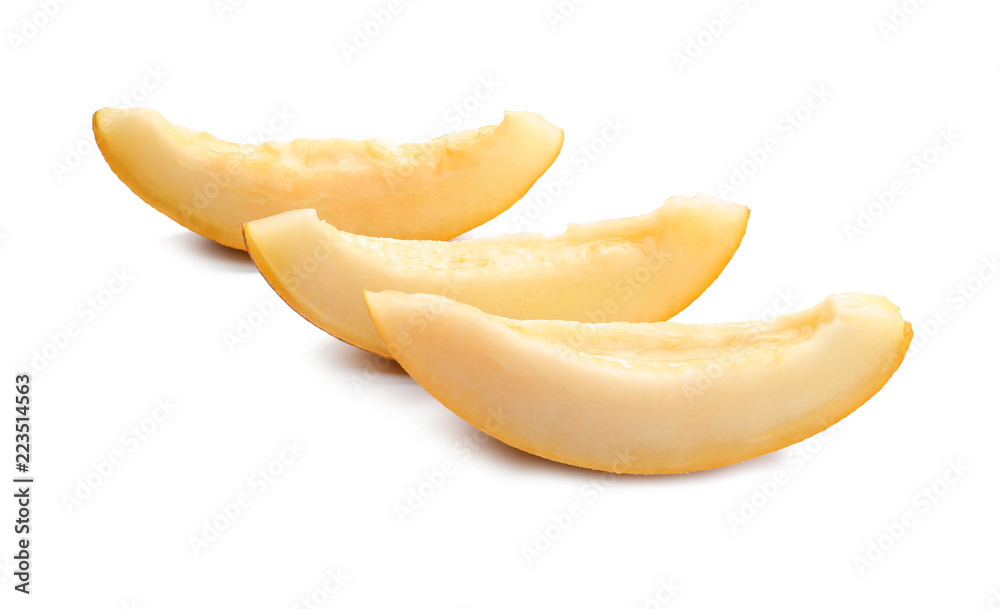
(646, 398)
(433, 190)
(645, 268)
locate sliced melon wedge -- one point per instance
(646, 398)
(645, 268)
(434, 190)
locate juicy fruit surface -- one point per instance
(646, 398)
(433, 190)
(645, 268)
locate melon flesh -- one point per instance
(646, 398)
(645, 268)
(433, 190)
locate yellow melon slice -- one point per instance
(645, 268)
(646, 398)
(434, 190)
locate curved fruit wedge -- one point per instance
(646, 398)
(645, 268)
(434, 190)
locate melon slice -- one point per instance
(646, 398)
(645, 268)
(434, 190)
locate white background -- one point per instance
(371, 436)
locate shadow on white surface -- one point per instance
(371, 368)
(518, 459)
(766, 465)
(217, 256)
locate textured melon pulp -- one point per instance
(645, 268)
(433, 190)
(646, 398)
